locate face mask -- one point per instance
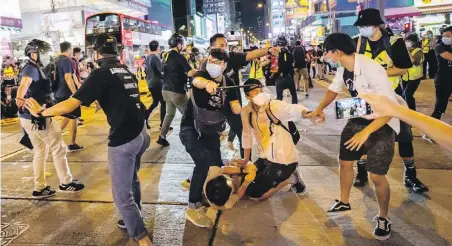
(429, 35)
(261, 99)
(367, 31)
(447, 41)
(333, 64)
(214, 70)
(409, 44)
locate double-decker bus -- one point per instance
(133, 35)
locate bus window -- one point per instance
(141, 26)
(102, 23)
(134, 25)
(153, 29)
(148, 28)
(126, 23)
(159, 30)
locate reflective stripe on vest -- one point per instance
(253, 74)
(414, 72)
(425, 46)
(384, 60)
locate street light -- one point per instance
(267, 24)
(260, 5)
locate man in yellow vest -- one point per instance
(411, 80)
(256, 71)
(428, 45)
(391, 52)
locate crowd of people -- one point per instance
(378, 66)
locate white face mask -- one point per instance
(261, 99)
(214, 70)
(409, 44)
(366, 31)
(446, 40)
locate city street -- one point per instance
(89, 217)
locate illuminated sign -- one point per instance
(297, 9)
(62, 21)
(428, 3)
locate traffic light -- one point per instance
(407, 27)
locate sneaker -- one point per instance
(72, 187)
(383, 228)
(299, 189)
(198, 217)
(306, 95)
(46, 192)
(74, 148)
(339, 206)
(425, 137)
(163, 142)
(185, 185)
(361, 179)
(415, 184)
(231, 146)
(121, 224)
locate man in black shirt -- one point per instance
(285, 74)
(202, 123)
(391, 52)
(66, 87)
(443, 81)
(116, 90)
(176, 71)
(300, 67)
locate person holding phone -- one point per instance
(374, 138)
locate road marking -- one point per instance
(11, 232)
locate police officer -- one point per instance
(43, 133)
(116, 90)
(412, 79)
(428, 45)
(391, 52)
(285, 74)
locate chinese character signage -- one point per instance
(428, 3)
(297, 9)
(10, 22)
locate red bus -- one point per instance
(133, 35)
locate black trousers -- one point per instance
(286, 82)
(409, 88)
(405, 137)
(430, 58)
(235, 122)
(157, 98)
(443, 86)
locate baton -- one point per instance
(214, 229)
(237, 86)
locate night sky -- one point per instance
(250, 12)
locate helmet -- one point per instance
(281, 41)
(176, 39)
(106, 44)
(31, 48)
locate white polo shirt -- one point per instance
(370, 77)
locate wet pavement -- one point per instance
(89, 217)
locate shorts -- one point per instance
(269, 175)
(72, 115)
(379, 147)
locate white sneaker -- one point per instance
(198, 217)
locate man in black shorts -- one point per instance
(66, 87)
(361, 136)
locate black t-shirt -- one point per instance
(349, 80)
(208, 101)
(444, 66)
(116, 90)
(299, 57)
(318, 54)
(285, 62)
(399, 53)
(63, 66)
(175, 68)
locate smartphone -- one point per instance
(352, 108)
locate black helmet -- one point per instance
(31, 48)
(176, 39)
(106, 44)
(281, 41)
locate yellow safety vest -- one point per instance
(256, 71)
(384, 60)
(414, 72)
(8, 72)
(426, 45)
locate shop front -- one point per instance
(435, 15)
(10, 24)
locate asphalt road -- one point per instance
(89, 217)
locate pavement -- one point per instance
(89, 217)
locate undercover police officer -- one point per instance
(391, 52)
(116, 90)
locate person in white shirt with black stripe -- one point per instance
(267, 120)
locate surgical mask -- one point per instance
(409, 44)
(366, 31)
(430, 35)
(333, 64)
(447, 41)
(261, 99)
(214, 70)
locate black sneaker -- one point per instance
(72, 187)
(415, 184)
(121, 224)
(339, 206)
(163, 142)
(426, 138)
(383, 228)
(74, 148)
(361, 179)
(300, 187)
(46, 192)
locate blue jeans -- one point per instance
(124, 162)
(205, 152)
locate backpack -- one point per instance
(285, 61)
(291, 129)
(50, 72)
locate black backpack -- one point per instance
(291, 129)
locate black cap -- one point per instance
(106, 44)
(153, 45)
(251, 85)
(176, 39)
(281, 41)
(369, 17)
